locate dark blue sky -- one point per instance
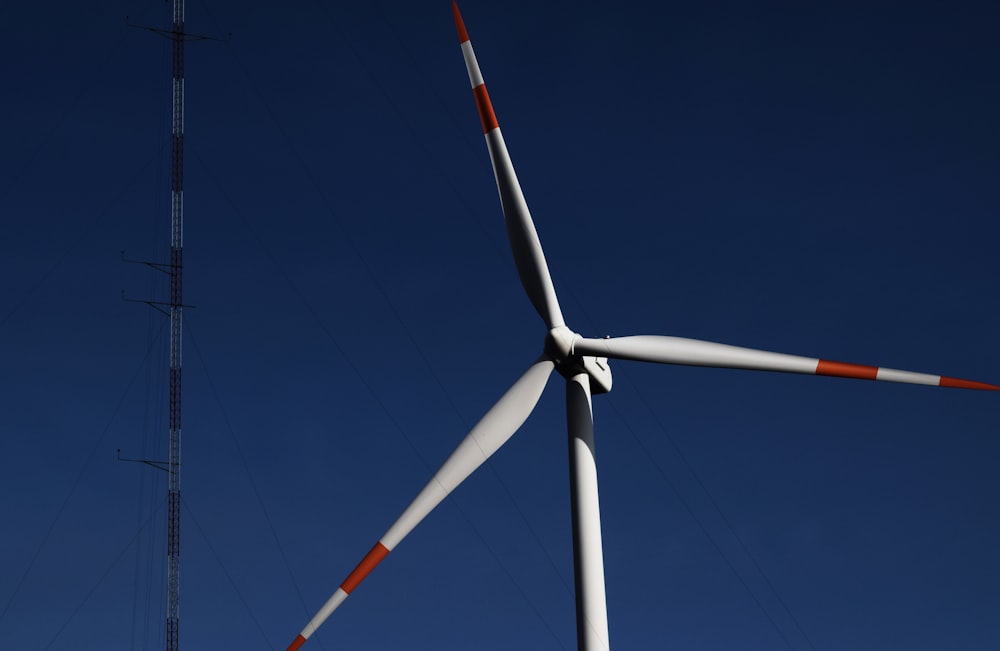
(817, 180)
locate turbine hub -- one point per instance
(559, 344)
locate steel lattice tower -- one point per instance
(176, 313)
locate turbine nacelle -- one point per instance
(560, 344)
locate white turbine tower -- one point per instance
(583, 363)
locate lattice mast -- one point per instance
(176, 313)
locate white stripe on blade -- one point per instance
(908, 377)
(475, 76)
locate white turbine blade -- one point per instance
(528, 255)
(692, 352)
(491, 432)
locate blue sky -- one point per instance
(817, 180)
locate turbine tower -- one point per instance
(583, 363)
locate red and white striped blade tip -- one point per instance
(863, 372)
(463, 35)
(363, 569)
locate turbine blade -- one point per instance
(528, 255)
(491, 432)
(692, 352)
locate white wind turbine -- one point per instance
(583, 363)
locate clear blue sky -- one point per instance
(814, 179)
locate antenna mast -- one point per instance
(176, 308)
(174, 269)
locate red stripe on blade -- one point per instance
(956, 383)
(486, 114)
(840, 369)
(463, 35)
(367, 564)
(299, 641)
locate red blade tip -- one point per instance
(956, 383)
(463, 35)
(299, 641)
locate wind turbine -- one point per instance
(583, 362)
